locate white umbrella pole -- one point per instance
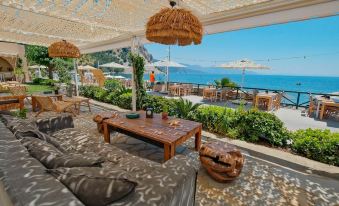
(242, 81)
(76, 78)
(167, 72)
(134, 94)
(242, 78)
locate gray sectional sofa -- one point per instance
(24, 180)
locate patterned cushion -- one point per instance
(41, 136)
(32, 143)
(94, 189)
(52, 158)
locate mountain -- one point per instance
(119, 56)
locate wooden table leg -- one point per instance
(198, 140)
(167, 154)
(169, 151)
(172, 151)
(34, 104)
(106, 133)
(322, 111)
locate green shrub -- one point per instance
(214, 118)
(100, 94)
(183, 107)
(113, 85)
(88, 91)
(41, 81)
(320, 145)
(37, 80)
(110, 98)
(125, 101)
(158, 103)
(254, 125)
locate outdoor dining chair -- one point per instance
(210, 94)
(47, 104)
(277, 101)
(312, 106)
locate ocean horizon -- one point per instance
(310, 84)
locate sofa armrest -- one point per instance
(53, 124)
(187, 171)
(182, 162)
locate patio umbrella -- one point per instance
(243, 65)
(38, 67)
(87, 67)
(166, 63)
(114, 65)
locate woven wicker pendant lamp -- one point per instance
(173, 26)
(63, 49)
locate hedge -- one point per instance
(252, 125)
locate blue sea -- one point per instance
(308, 84)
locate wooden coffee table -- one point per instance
(157, 130)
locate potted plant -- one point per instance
(20, 113)
(164, 113)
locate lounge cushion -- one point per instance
(33, 144)
(37, 134)
(52, 158)
(94, 188)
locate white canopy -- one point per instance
(103, 25)
(37, 67)
(243, 64)
(114, 65)
(87, 67)
(165, 63)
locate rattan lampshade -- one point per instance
(63, 49)
(173, 26)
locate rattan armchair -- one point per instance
(47, 104)
(18, 90)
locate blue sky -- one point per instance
(318, 37)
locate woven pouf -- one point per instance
(221, 160)
(99, 118)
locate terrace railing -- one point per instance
(290, 98)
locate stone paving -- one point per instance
(260, 183)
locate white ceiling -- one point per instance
(95, 25)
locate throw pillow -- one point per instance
(94, 190)
(51, 157)
(33, 143)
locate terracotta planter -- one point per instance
(164, 115)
